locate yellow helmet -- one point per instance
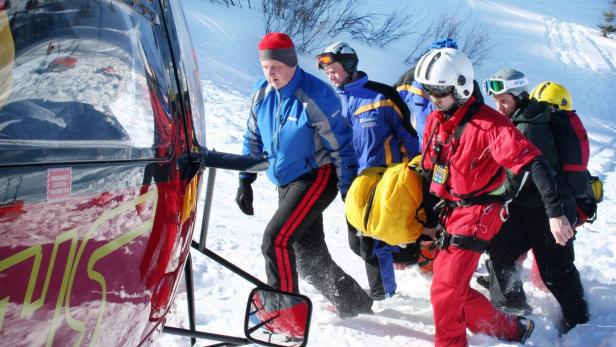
(553, 93)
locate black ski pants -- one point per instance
(294, 243)
(529, 228)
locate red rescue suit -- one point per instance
(475, 162)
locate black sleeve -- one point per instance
(545, 181)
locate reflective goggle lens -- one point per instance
(493, 86)
(324, 59)
(438, 91)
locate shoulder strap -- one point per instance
(470, 112)
(391, 94)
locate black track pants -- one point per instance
(529, 228)
(294, 243)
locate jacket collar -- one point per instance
(289, 90)
(358, 83)
(449, 125)
(532, 111)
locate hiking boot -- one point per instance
(378, 296)
(525, 328)
(351, 313)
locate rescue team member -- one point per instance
(528, 225)
(380, 138)
(416, 98)
(466, 148)
(295, 118)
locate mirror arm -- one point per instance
(232, 267)
(232, 340)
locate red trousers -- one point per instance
(456, 306)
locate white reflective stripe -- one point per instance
(524, 178)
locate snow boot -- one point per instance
(525, 329)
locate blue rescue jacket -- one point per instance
(418, 102)
(301, 128)
(378, 116)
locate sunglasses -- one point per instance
(498, 86)
(325, 59)
(438, 91)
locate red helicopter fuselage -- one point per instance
(99, 113)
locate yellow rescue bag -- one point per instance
(387, 204)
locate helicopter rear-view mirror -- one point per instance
(277, 319)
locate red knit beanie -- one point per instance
(278, 46)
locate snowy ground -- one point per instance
(546, 39)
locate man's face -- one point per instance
(505, 103)
(277, 73)
(442, 103)
(336, 74)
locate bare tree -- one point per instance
(232, 3)
(311, 22)
(473, 39)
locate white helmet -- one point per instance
(447, 67)
(339, 52)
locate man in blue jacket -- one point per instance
(382, 136)
(295, 119)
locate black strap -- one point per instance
(469, 243)
(368, 208)
(470, 112)
(478, 200)
(465, 242)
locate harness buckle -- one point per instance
(443, 239)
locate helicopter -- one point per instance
(102, 160)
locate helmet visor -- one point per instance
(496, 86)
(325, 59)
(438, 91)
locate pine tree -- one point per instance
(609, 26)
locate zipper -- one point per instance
(276, 137)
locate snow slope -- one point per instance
(546, 39)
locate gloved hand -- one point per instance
(243, 198)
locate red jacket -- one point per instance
(488, 142)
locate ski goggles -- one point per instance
(325, 59)
(496, 86)
(438, 91)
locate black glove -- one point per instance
(243, 198)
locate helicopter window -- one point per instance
(191, 69)
(87, 75)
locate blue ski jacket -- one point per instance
(418, 102)
(382, 134)
(300, 127)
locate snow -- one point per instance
(546, 39)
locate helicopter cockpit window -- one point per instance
(85, 75)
